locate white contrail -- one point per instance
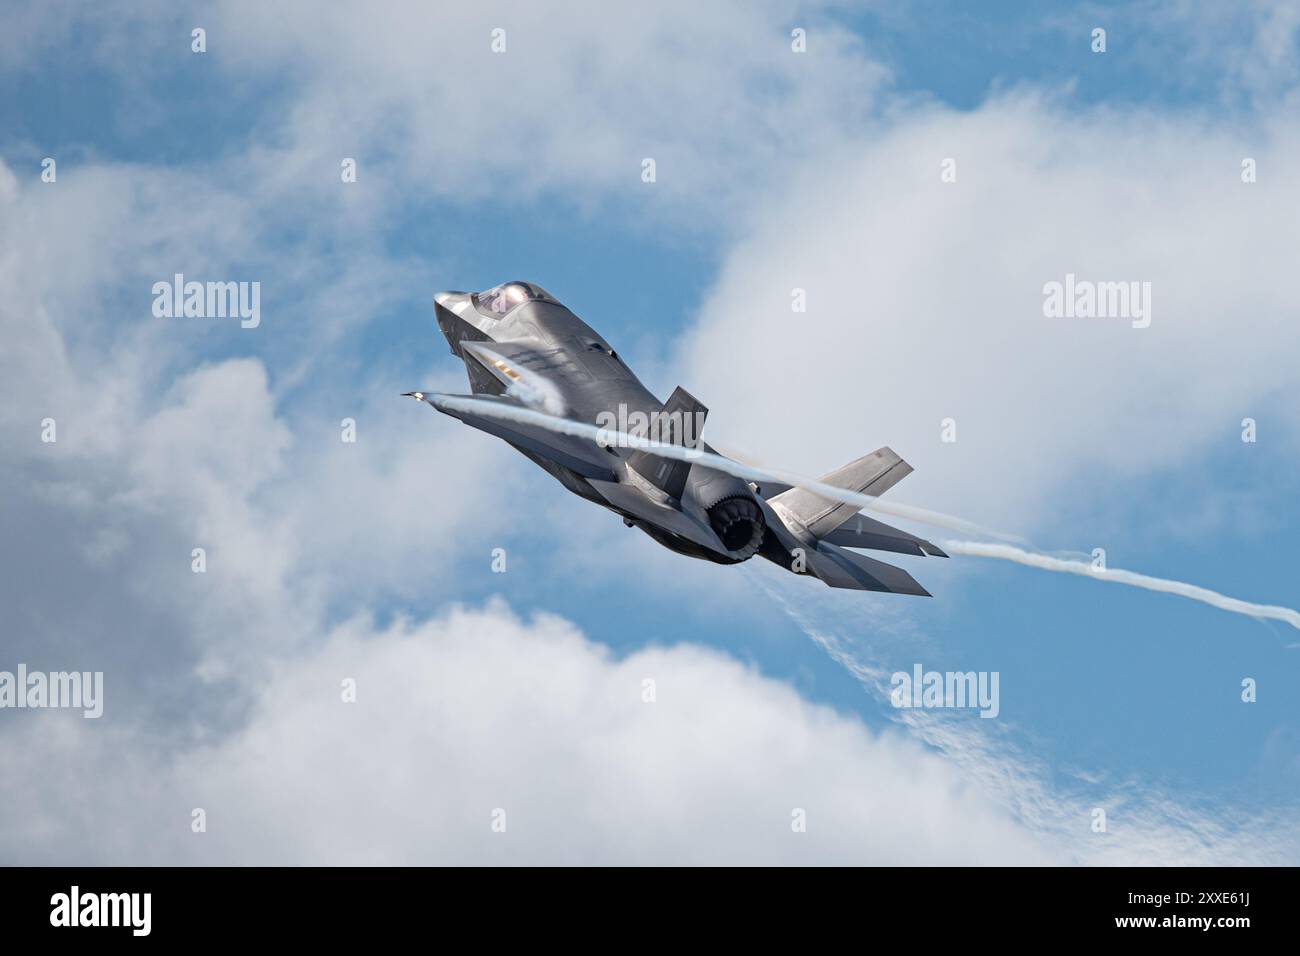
(1031, 559)
(608, 436)
(1004, 552)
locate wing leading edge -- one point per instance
(582, 457)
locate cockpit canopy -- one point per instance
(501, 299)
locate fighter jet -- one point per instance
(522, 348)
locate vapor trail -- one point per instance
(1031, 559)
(1004, 552)
(608, 436)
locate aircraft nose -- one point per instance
(447, 309)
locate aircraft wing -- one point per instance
(576, 454)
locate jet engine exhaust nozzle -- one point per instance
(738, 521)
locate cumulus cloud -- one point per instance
(415, 94)
(476, 711)
(925, 302)
(166, 443)
(713, 93)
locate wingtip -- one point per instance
(429, 398)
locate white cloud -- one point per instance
(925, 302)
(712, 92)
(478, 710)
(1249, 49)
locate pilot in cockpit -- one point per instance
(502, 298)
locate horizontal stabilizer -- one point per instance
(576, 454)
(845, 569)
(861, 531)
(872, 474)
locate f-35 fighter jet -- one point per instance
(521, 347)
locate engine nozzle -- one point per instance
(738, 522)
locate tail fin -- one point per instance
(872, 474)
(681, 425)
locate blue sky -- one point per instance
(226, 163)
